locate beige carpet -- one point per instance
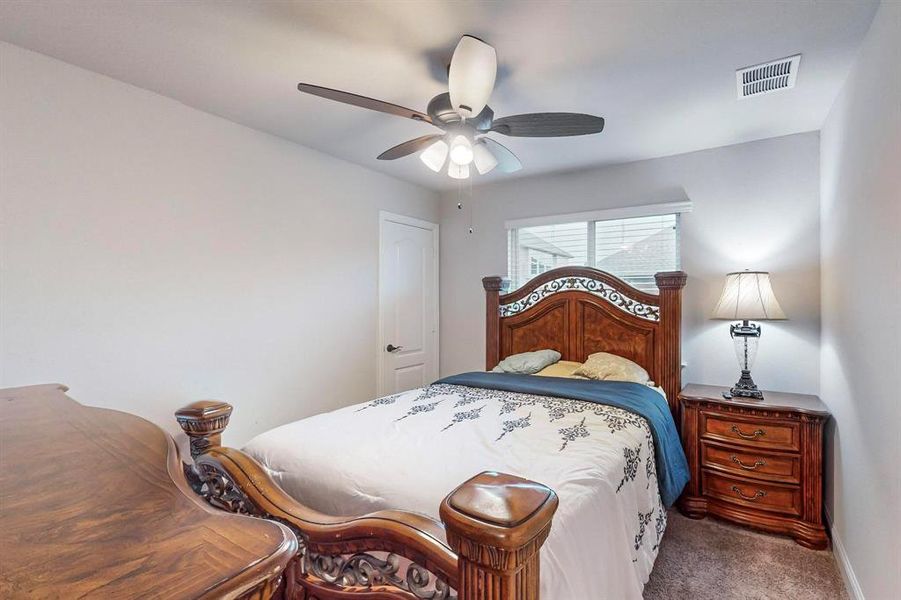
(709, 559)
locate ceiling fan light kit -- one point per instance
(461, 150)
(456, 171)
(465, 118)
(435, 155)
(482, 157)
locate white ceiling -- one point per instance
(661, 73)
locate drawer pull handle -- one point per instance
(758, 494)
(757, 463)
(748, 436)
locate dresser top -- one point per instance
(802, 403)
(94, 503)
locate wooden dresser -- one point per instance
(94, 504)
(756, 462)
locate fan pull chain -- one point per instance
(460, 193)
(460, 204)
(470, 205)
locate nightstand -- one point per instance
(756, 462)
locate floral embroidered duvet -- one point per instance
(407, 451)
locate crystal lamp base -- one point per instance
(745, 387)
(746, 337)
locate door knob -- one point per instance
(393, 348)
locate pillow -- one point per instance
(527, 363)
(564, 368)
(611, 367)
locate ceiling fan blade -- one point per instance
(409, 147)
(506, 160)
(470, 78)
(363, 102)
(548, 125)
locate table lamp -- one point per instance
(747, 295)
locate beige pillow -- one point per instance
(611, 367)
(527, 363)
(563, 368)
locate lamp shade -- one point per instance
(483, 158)
(748, 295)
(456, 171)
(461, 150)
(435, 155)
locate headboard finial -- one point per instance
(670, 279)
(494, 284)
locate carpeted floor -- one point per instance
(712, 560)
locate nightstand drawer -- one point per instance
(758, 433)
(759, 464)
(762, 496)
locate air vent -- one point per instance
(768, 77)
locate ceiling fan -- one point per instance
(465, 118)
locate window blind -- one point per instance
(632, 248)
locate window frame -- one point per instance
(590, 218)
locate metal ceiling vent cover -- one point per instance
(767, 78)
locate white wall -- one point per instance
(861, 299)
(153, 254)
(756, 206)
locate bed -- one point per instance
(564, 478)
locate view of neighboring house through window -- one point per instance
(539, 255)
(633, 249)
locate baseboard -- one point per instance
(844, 565)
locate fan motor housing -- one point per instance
(443, 115)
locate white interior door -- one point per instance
(408, 304)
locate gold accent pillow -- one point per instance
(610, 367)
(563, 368)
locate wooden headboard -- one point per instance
(579, 311)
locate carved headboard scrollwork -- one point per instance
(579, 311)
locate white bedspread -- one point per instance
(409, 450)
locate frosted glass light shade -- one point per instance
(471, 76)
(748, 295)
(435, 155)
(456, 171)
(461, 150)
(483, 158)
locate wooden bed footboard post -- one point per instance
(496, 523)
(493, 287)
(204, 421)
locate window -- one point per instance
(539, 262)
(632, 248)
